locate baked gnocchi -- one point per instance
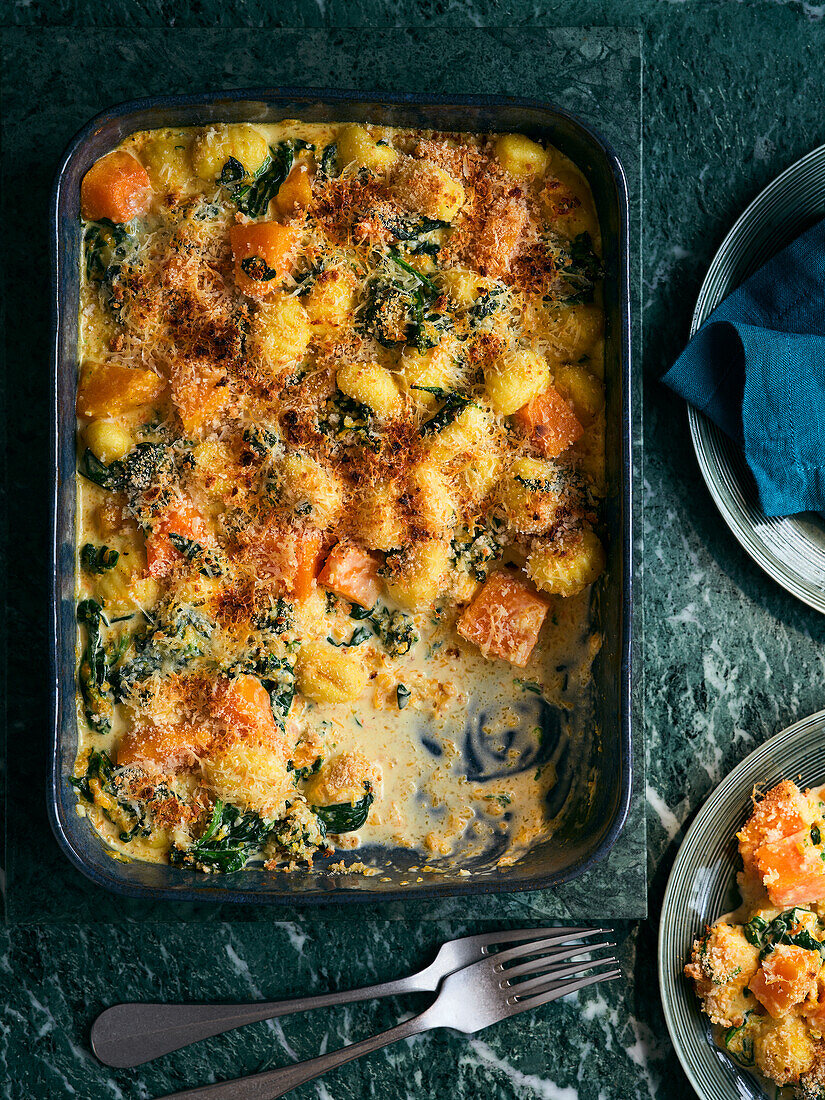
(339, 397)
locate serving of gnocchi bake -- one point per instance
(340, 461)
(760, 972)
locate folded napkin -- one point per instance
(756, 367)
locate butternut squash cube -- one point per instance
(109, 389)
(505, 619)
(116, 187)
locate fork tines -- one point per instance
(537, 936)
(546, 956)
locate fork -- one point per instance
(469, 1000)
(128, 1035)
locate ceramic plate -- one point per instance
(702, 886)
(792, 549)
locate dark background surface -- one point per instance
(731, 96)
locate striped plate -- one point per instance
(790, 549)
(702, 886)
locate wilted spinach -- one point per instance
(454, 404)
(767, 935)
(253, 195)
(394, 629)
(300, 775)
(94, 668)
(97, 559)
(227, 843)
(345, 817)
(100, 768)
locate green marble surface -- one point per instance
(732, 95)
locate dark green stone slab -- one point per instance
(731, 97)
(72, 74)
(55, 985)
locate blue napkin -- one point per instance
(756, 367)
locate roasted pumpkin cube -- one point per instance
(505, 619)
(549, 423)
(200, 393)
(785, 978)
(285, 557)
(295, 193)
(184, 520)
(159, 748)
(784, 810)
(243, 704)
(116, 187)
(792, 869)
(352, 573)
(262, 252)
(109, 389)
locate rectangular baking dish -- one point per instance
(590, 827)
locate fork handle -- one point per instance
(277, 1082)
(127, 1035)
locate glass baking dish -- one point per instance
(591, 825)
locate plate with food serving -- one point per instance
(341, 501)
(742, 933)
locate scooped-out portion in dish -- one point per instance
(340, 462)
(760, 972)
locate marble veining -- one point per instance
(728, 657)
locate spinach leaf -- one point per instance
(485, 305)
(414, 233)
(578, 266)
(97, 559)
(178, 637)
(784, 929)
(227, 843)
(348, 421)
(386, 316)
(299, 775)
(277, 674)
(402, 695)
(345, 817)
(107, 477)
(275, 619)
(426, 328)
(411, 229)
(256, 268)
(93, 671)
(106, 246)
(99, 766)
(328, 164)
(742, 1050)
(474, 552)
(359, 635)
(101, 771)
(252, 197)
(454, 403)
(537, 484)
(144, 466)
(394, 629)
(262, 440)
(209, 561)
(425, 281)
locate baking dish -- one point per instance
(591, 824)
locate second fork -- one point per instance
(127, 1035)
